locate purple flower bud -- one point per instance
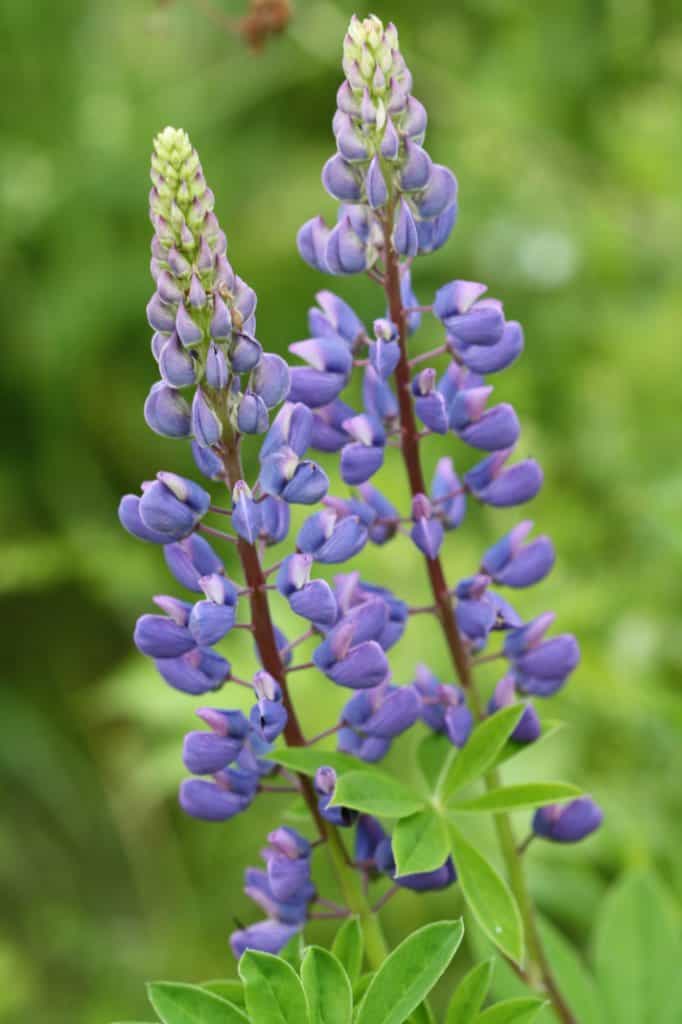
(495, 485)
(205, 753)
(349, 142)
(330, 539)
(383, 523)
(443, 707)
(196, 672)
(245, 353)
(197, 295)
(439, 194)
(369, 748)
(359, 463)
(191, 559)
(568, 823)
(265, 937)
(161, 637)
(384, 357)
(340, 180)
(378, 398)
(294, 573)
(307, 486)
(207, 462)
(328, 434)
(447, 494)
(405, 234)
(291, 912)
(416, 170)
(316, 602)
(217, 372)
(221, 321)
(368, 835)
(176, 364)
(544, 669)
(346, 252)
(470, 321)
(491, 358)
(245, 512)
(360, 667)
(292, 428)
(188, 332)
(327, 353)
(252, 415)
(206, 427)
(160, 316)
(529, 729)
(334, 317)
(210, 621)
(325, 783)
(274, 520)
(495, 429)
(314, 388)
(167, 412)
(375, 185)
(427, 532)
(511, 563)
(312, 241)
(129, 517)
(172, 505)
(208, 801)
(287, 862)
(271, 379)
(397, 711)
(269, 718)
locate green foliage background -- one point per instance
(562, 123)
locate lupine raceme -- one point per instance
(216, 387)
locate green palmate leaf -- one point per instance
(550, 727)
(488, 897)
(470, 994)
(514, 798)
(274, 993)
(420, 842)
(409, 973)
(349, 947)
(575, 982)
(638, 954)
(434, 754)
(376, 793)
(227, 988)
(307, 760)
(327, 987)
(482, 749)
(512, 1011)
(189, 1004)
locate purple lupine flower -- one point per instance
(325, 784)
(493, 483)
(198, 671)
(448, 494)
(352, 593)
(169, 510)
(268, 716)
(351, 654)
(540, 667)
(190, 559)
(513, 564)
(212, 619)
(568, 823)
(312, 599)
(427, 532)
(330, 538)
(264, 936)
(205, 753)
(231, 792)
(364, 455)
(466, 316)
(430, 404)
(373, 718)
(529, 728)
(443, 707)
(425, 881)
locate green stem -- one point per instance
(376, 949)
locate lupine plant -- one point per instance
(217, 389)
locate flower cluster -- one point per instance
(396, 203)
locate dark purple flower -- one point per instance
(568, 823)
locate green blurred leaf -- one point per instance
(512, 1011)
(327, 987)
(488, 897)
(306, 760)
(361, 986)
(638, 953)
(482, 749)
(420, 842)
(227, 988)
(176, 1003)
(434, 754)
(376, 793)
(470, 994)
(575, 982)
(274, 993)
(514, 798)
(423, 1014)
(348, 947)
(409, 973)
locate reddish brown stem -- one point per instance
(264, 634)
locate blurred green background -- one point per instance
(562, 122)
